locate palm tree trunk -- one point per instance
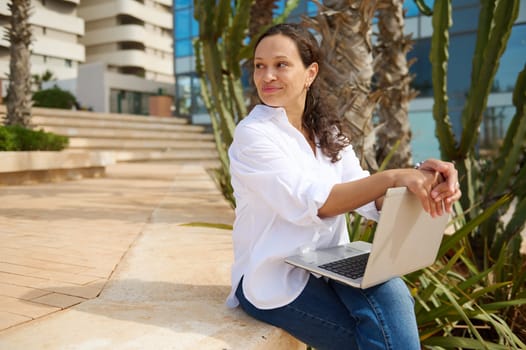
(345, 27)
(261, 15)
(19, 89)
(392, 73)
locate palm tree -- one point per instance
(221, 45)
(393, 79)
(40, 79)
(19, 89)
(261, 16)
(345, 29)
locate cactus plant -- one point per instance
(491, 244)
(219, 50)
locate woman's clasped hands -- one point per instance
(435, 182)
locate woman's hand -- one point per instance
(421, 183)
(447, 191)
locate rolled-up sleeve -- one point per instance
(353, 171)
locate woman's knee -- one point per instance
(385, 313)
(395, 290)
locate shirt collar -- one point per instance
(262, 112)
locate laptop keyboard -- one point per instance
(353, 267)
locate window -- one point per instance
(512, 61)
(183, 48)
(465, 19)
(179, 4)
(494, 127)
(183, 103)
(411, 8)
(424, 143)
(459, 3)
(182, 23)
(459, 68)
(421, 68)
(185, 29)
(188, 95)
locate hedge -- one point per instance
(18, 138)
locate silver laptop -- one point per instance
(406, 239)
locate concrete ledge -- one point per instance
(18, 168)
(52, 175)
(45, 160)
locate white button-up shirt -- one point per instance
(279, 185)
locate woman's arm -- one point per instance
(348, 196)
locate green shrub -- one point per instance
(7, 140)
(54, 98)
(18, 138)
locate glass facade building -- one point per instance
(188, 101)
(463, 38)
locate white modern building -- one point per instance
(113, 55)
(133, 42)
(56, 32)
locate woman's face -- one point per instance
(280, 77)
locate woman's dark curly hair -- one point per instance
(318, 117)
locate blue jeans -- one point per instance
(330, 315)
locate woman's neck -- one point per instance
(296, 119)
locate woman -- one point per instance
(294, 174)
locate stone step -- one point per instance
(186, 156)
(119, 144)
(93, 132)
(65, 113)
(129, 137)
(136, 124)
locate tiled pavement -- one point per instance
(106, 263)
(60, 242)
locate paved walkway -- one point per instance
(61, 242)
(105, 264)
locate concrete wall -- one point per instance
(92, 90)
(94, 84)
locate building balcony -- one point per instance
(3, 9)
(4, 70)
(134, 58)
(56, 48)
(168, 3)
(50, 19)
(127, 33)
(3, 41)
(126, 7)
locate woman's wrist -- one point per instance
(400, 177)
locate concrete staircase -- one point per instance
(129, 137)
